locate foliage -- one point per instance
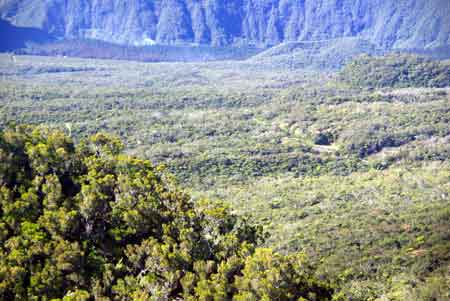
(87, 222)
(156, 53)
(372, 233)
(397, 70)
(368, 204)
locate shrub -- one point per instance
(87, 222)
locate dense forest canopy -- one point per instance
(86, 222)
(397, 70)
(355, 177)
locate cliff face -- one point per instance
(386, 23)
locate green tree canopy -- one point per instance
(86, 222)
(396, 70)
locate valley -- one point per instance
(350, 166)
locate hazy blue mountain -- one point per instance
(13, 37)
(387, 24)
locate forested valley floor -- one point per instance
(349, 168)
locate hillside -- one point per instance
(328, 54)
(14, 38)
(388, 24)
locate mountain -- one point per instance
(17, 37)
(389, 24)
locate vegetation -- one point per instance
(355, 177)
(156, 53)
(83, 222)
(371, 233)
(329, 54)
(397, 71)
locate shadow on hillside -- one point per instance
(14, 38)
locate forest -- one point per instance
(227, 180)
(82, 222)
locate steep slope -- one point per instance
(386, 23)
(17, 37)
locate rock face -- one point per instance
(385, 23)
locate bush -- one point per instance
(87, 222)
(396, 70)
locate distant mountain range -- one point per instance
(388, 24)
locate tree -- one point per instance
(86, 222)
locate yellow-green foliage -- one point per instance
(372, 233)
(355, 176)
(84, 222)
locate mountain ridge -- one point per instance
(388, 24)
